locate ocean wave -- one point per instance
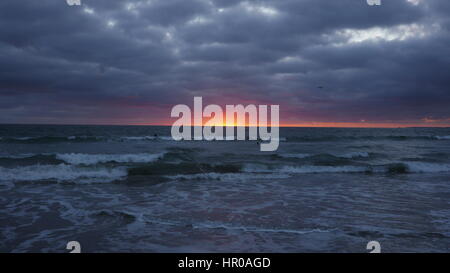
(393, 168)
(422, 167)
(226, 176)
(19, 156)
(323, 169)
(304, 169)
(183, 168)
(92, 159)
(301, 156)
(363, 137)
(224, 226)
(326, 138)
(84, 159)
(57, 139)
(61, 172)
(83, 174)
(442, 137)
(213, 225)
(113, 216)
(143, 138)
(349, 155)
(51, 139)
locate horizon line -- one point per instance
(336, 125)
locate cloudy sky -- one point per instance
(326, 63)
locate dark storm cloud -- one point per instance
(130, 61)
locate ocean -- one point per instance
(134, 189)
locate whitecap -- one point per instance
(61, 172)
(92, 159)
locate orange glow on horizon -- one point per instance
(327, 125)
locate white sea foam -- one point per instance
(61, 172)
(91, 159)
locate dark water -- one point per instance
(123, 189)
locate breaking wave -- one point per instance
(84, 159)
(85, 174)
(92, 159)
(61, 172)
(442, 137)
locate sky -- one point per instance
(326, 63)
